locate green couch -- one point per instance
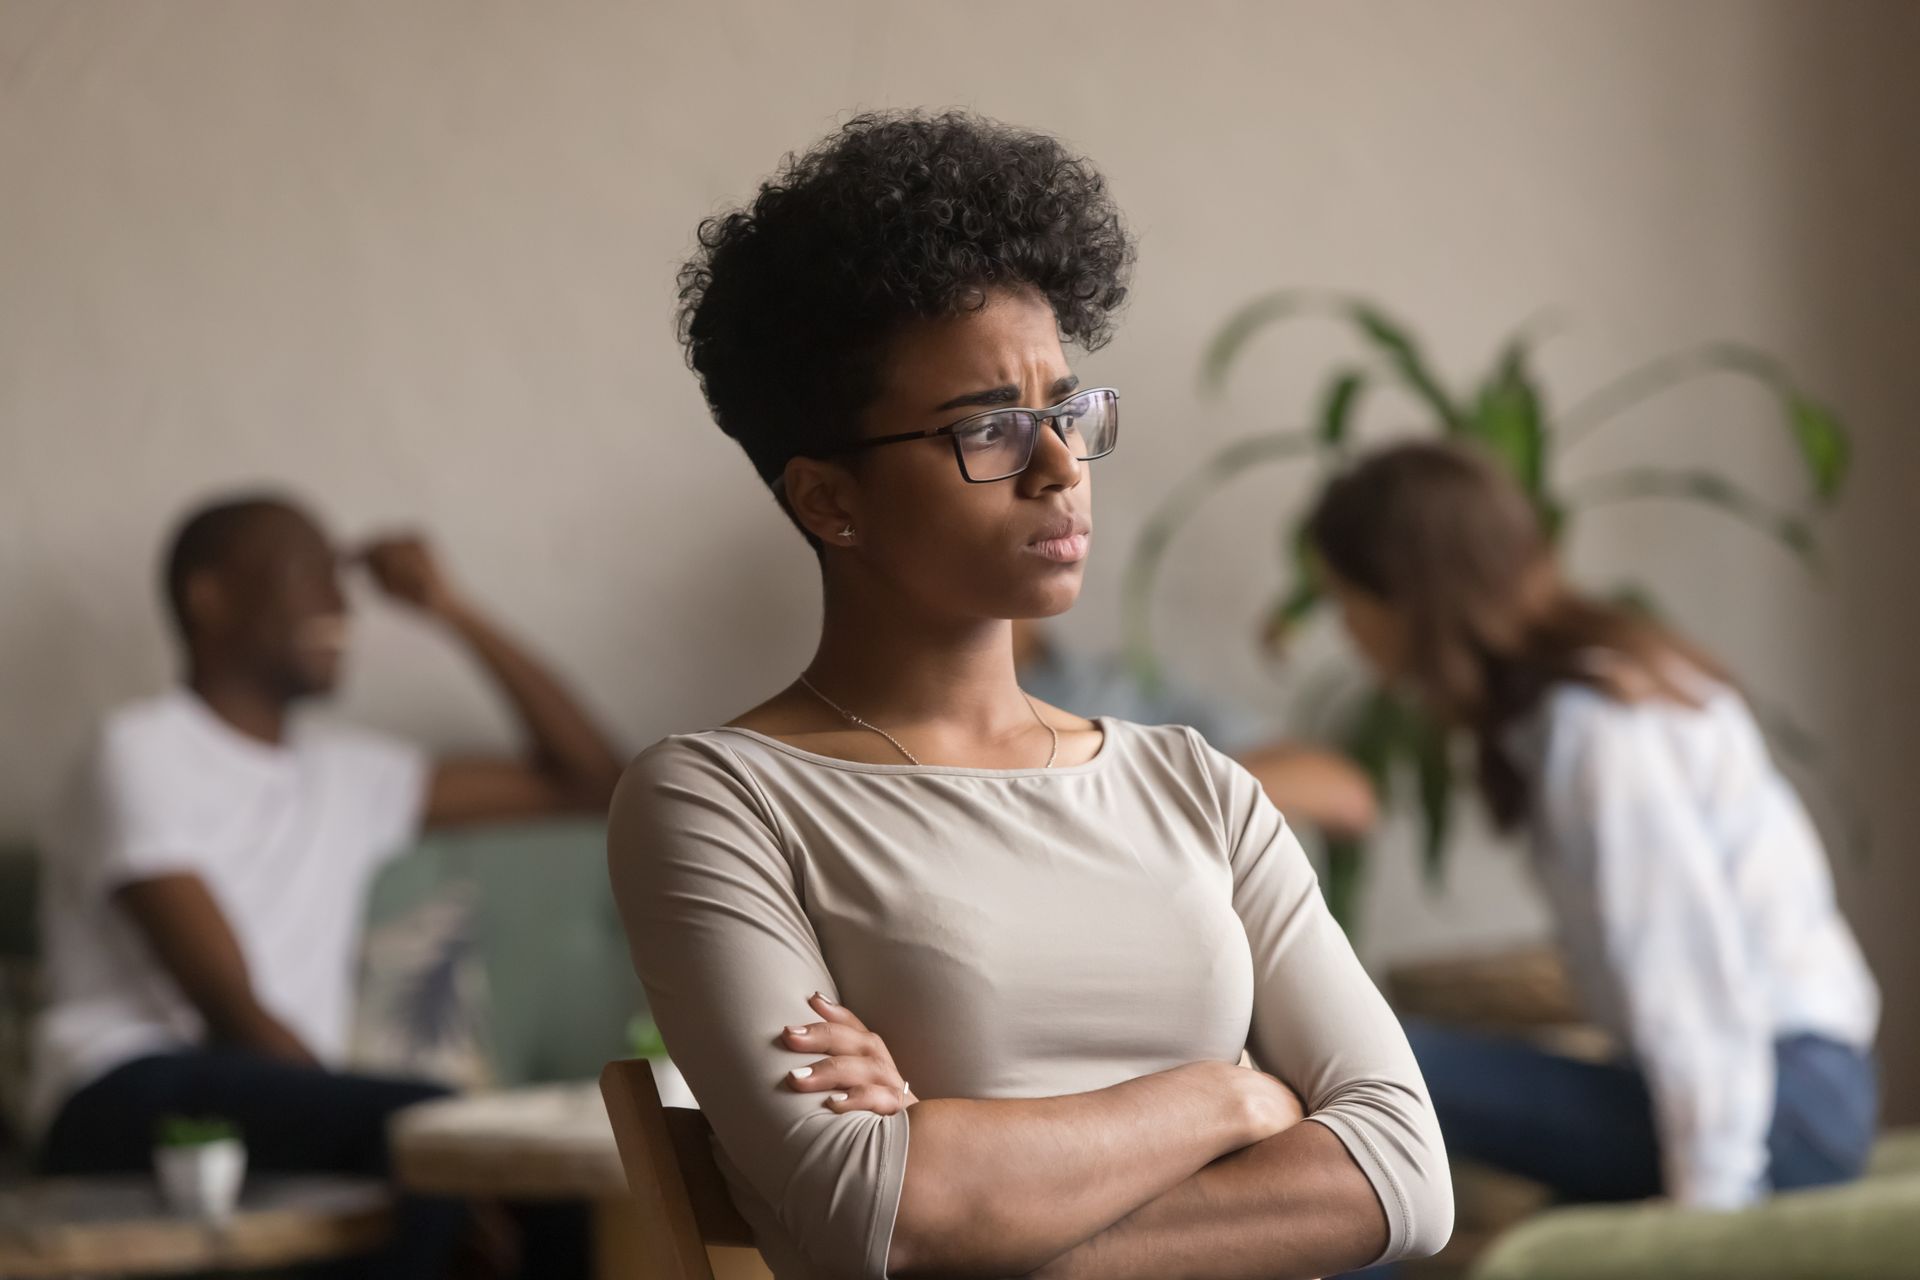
(1869, 1230)
(560, 982)
(560, 987)
(1502, 1231)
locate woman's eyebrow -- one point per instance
(1006, 393)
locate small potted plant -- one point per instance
(201, 1163)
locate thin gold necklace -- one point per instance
(1053, 733)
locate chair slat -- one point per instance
(677, 1189)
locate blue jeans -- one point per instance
(1585, 1130)
(294, 1119)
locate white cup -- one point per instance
(202, 1180)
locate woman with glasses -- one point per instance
(1065, 932)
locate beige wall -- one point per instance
(416, 259)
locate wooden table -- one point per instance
(118, 1226)
(542, 1142)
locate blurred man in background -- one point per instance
(207, 874)
(1310, 786)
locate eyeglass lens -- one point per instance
(998, 445)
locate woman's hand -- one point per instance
(1273, 1106)
(855, 1071)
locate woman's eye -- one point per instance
(987, 434)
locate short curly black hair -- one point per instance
(787, 308)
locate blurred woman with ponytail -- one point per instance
(1691, 893)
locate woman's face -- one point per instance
(1012, 548)
(1378, 631)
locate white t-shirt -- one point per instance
(286, 838)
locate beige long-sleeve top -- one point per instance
(1010, 933)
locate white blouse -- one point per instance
(1697, 912)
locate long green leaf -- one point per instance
(1553, 516)
(1301, 598)
(1508, 419)
(1345, 874)
(1150, 548)
(1819, 436)
(1388, 730)
(1401, 354)
(1335, 417)
(1283, 619)
(1370, 740)
(1242, 325)
(1406, 360)
(1636, 483)
(1824, 444)
(1431, 748)
(1376, 736)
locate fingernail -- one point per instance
(801, 1073)
(823, 997)
(838, 1097)
(796, 1031)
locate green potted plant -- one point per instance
(1507, 412)
(200, 1162)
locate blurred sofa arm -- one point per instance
(1862, 1231)
(1516, 989)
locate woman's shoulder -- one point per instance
(1174, 736)
(682, 749)
(1686, 694)
(682, 767)
(1171, 752)
(1579, 727)
(689, 796)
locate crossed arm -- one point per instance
(1194, 1170)
(1202, 1170)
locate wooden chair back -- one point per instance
(682, 1199)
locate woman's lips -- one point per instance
(1065, 550)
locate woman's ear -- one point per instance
(818, 493)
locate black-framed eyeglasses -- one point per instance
(998, 444)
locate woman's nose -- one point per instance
(1052, 464)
